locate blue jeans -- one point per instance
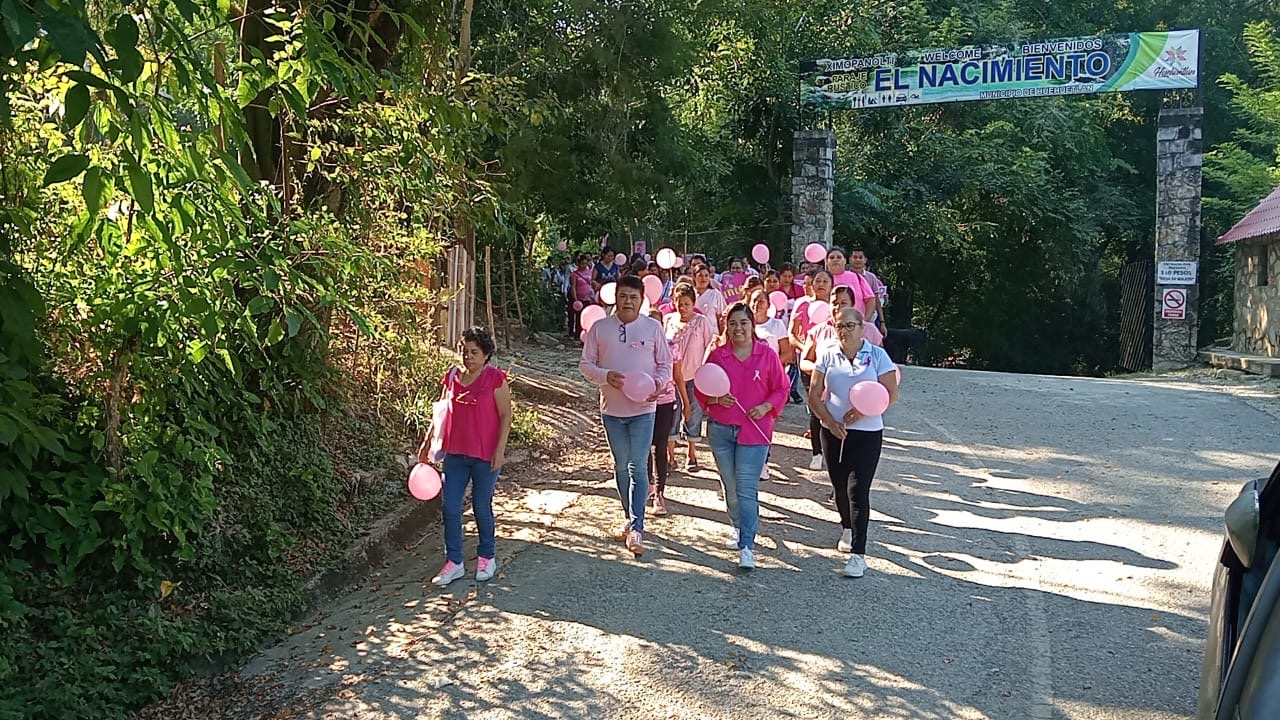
(691, 430)
(458, 471)
(740, 467)
(629, 440)
(793, 374)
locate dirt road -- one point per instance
(1041, 548)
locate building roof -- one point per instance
(1259, 222)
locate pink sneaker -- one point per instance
(450, 572)
(635, 542)
(486, 568)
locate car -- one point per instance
(1240, 676)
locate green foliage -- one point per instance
(185, 304)
(1243, 170)
(527, 428)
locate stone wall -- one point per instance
(813, 187)
(1179, 156)
(1257, 316)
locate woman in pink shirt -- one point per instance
(740, 428)
(581, 290)
(663, 421)
(475, 446)
(693, 335)
(864, 298)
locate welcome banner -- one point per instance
(1074, 66)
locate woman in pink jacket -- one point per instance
(740, 424)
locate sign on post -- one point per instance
(1073, 66)
(1176, 272)
(1173, 304)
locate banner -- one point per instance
(1074, 66)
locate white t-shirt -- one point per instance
(771, 331)
(711, 303)
(842, 374)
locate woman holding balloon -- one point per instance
(743, 389)
(808, 314)
(853, 384)
(479, 407)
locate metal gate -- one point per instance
(1135, 315)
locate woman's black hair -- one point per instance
(739, 306)
(847, 291)
(788, 266)
(632, 282)
(479, 335)
(814, 273)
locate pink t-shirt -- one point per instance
(861, 289)
(474, 423)
(801, 313)
(640, 346)
(691, 341)
(758, 379)
(582, 286)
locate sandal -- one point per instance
(659, 506)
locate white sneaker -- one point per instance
(732, 540)
(846, 541)
(486, 568)
(816, 463)
(450, 572)
(746, 559)
(856, 566)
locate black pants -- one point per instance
(815, 425)
(662, 422)
(851, 472)
(571, 316)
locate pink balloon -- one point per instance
(667, 308)
(620, 259)
(779, 300)
(819, 312)
(609, 293)
(424, 482)
(582, 336)
(711, 380)
(760, 253)
(667, 258)
(652, 288)
(869, 398)
(638, 386)
(648, 257)
(591, 314)
(577, 306)
(562, 246)
(815, 252)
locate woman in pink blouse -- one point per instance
(475, 446)
(740, 424)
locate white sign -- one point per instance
(1180, 272)
(1173, 304)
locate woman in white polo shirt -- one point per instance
(851, 441)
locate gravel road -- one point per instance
(1040, 548)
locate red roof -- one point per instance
(1260, 221)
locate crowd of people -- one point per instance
(682, 353)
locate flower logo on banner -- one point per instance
(1175, 55)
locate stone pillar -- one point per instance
(1179, 157)
(813, 186)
